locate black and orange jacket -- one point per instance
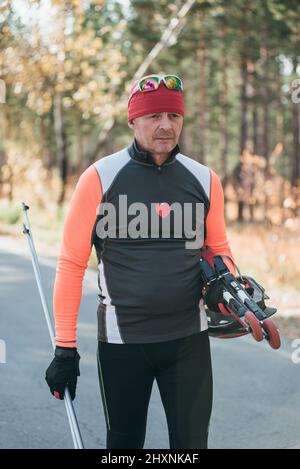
(149, 289)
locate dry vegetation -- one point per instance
(271, 256)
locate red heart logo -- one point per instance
(162, 209)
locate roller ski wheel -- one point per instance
(272, 333)
(254, 325)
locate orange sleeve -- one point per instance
(216, 238)
(74, 255)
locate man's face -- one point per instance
(157, 133)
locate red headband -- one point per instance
(161, 100)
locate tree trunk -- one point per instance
(244, 124)
(108, 127)
(264, 53)
(61, 145)
(224, 108)
(280, 131)
(265, 92)
(255, 123)
(81, 155)
(201, 56)
(280, 138)
(295, 157)
(48, 157)
(244, 103)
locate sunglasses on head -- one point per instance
(152, 82)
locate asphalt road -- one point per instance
(256, 389)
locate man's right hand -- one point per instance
(214, 298)
(63, 371)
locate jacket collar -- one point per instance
(145, 156)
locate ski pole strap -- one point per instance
(207, 272)
(230, 258)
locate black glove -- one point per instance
(63, 371)
(214, 298)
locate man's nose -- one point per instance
(165, 122)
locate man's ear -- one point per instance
(131, 124)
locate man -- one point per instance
(151, 317)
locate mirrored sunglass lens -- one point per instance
(149, 84)
(173, 83)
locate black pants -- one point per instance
(182, 368)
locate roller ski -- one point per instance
(236, 305)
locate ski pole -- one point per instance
(76, 436)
